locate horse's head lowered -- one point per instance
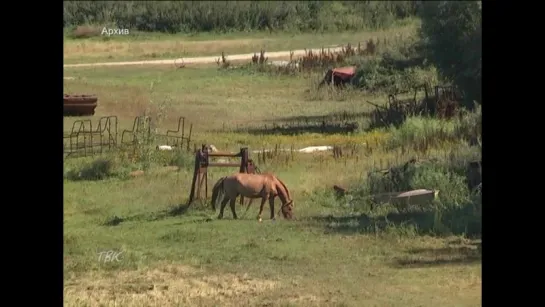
(287, 210)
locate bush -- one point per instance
(456, 211)
(146, 157)
(124, 162)
(396, 70)
(465, 219)
(426, 175)
(421, 133)
(182, 159)
(469, 126)
(97, 170)
(445, 168)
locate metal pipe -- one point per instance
(223, 164)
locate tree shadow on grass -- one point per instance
(172, 211)
(430, 257)
(301, 128)
(364, 224)
(176, 210)
(333, 123)
(453, 222)
(331, 117)
(428, 222)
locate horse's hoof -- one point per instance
(260, 220)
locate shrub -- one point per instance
(426, 175)
(423, 132)
(456, 211)
(97, 170)
(397, 69)
(182, 159)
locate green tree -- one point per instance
(452, 32)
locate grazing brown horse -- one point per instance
(270, 175)
(252, 186)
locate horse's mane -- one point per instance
(284, 186)
(281, 182)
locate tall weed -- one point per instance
(421, 132)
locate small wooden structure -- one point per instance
(202, 163)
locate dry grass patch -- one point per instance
(167, 285)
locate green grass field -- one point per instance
(139, 46)
(334, 254)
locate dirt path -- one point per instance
(201, 60)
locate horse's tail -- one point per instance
(218, 187)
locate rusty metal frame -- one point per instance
(75, 144)
(82, 136)
(84, 140)
(175, 138)
(202, 162)
(141, 131)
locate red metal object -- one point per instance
(339, 76)
(79, 105)
(344, 73)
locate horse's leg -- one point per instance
(223, 204)
(263, 200)
(249, 203)
(232, 205)
(271, 206)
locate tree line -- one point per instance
(230, 16)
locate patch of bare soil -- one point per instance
(203, 59)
